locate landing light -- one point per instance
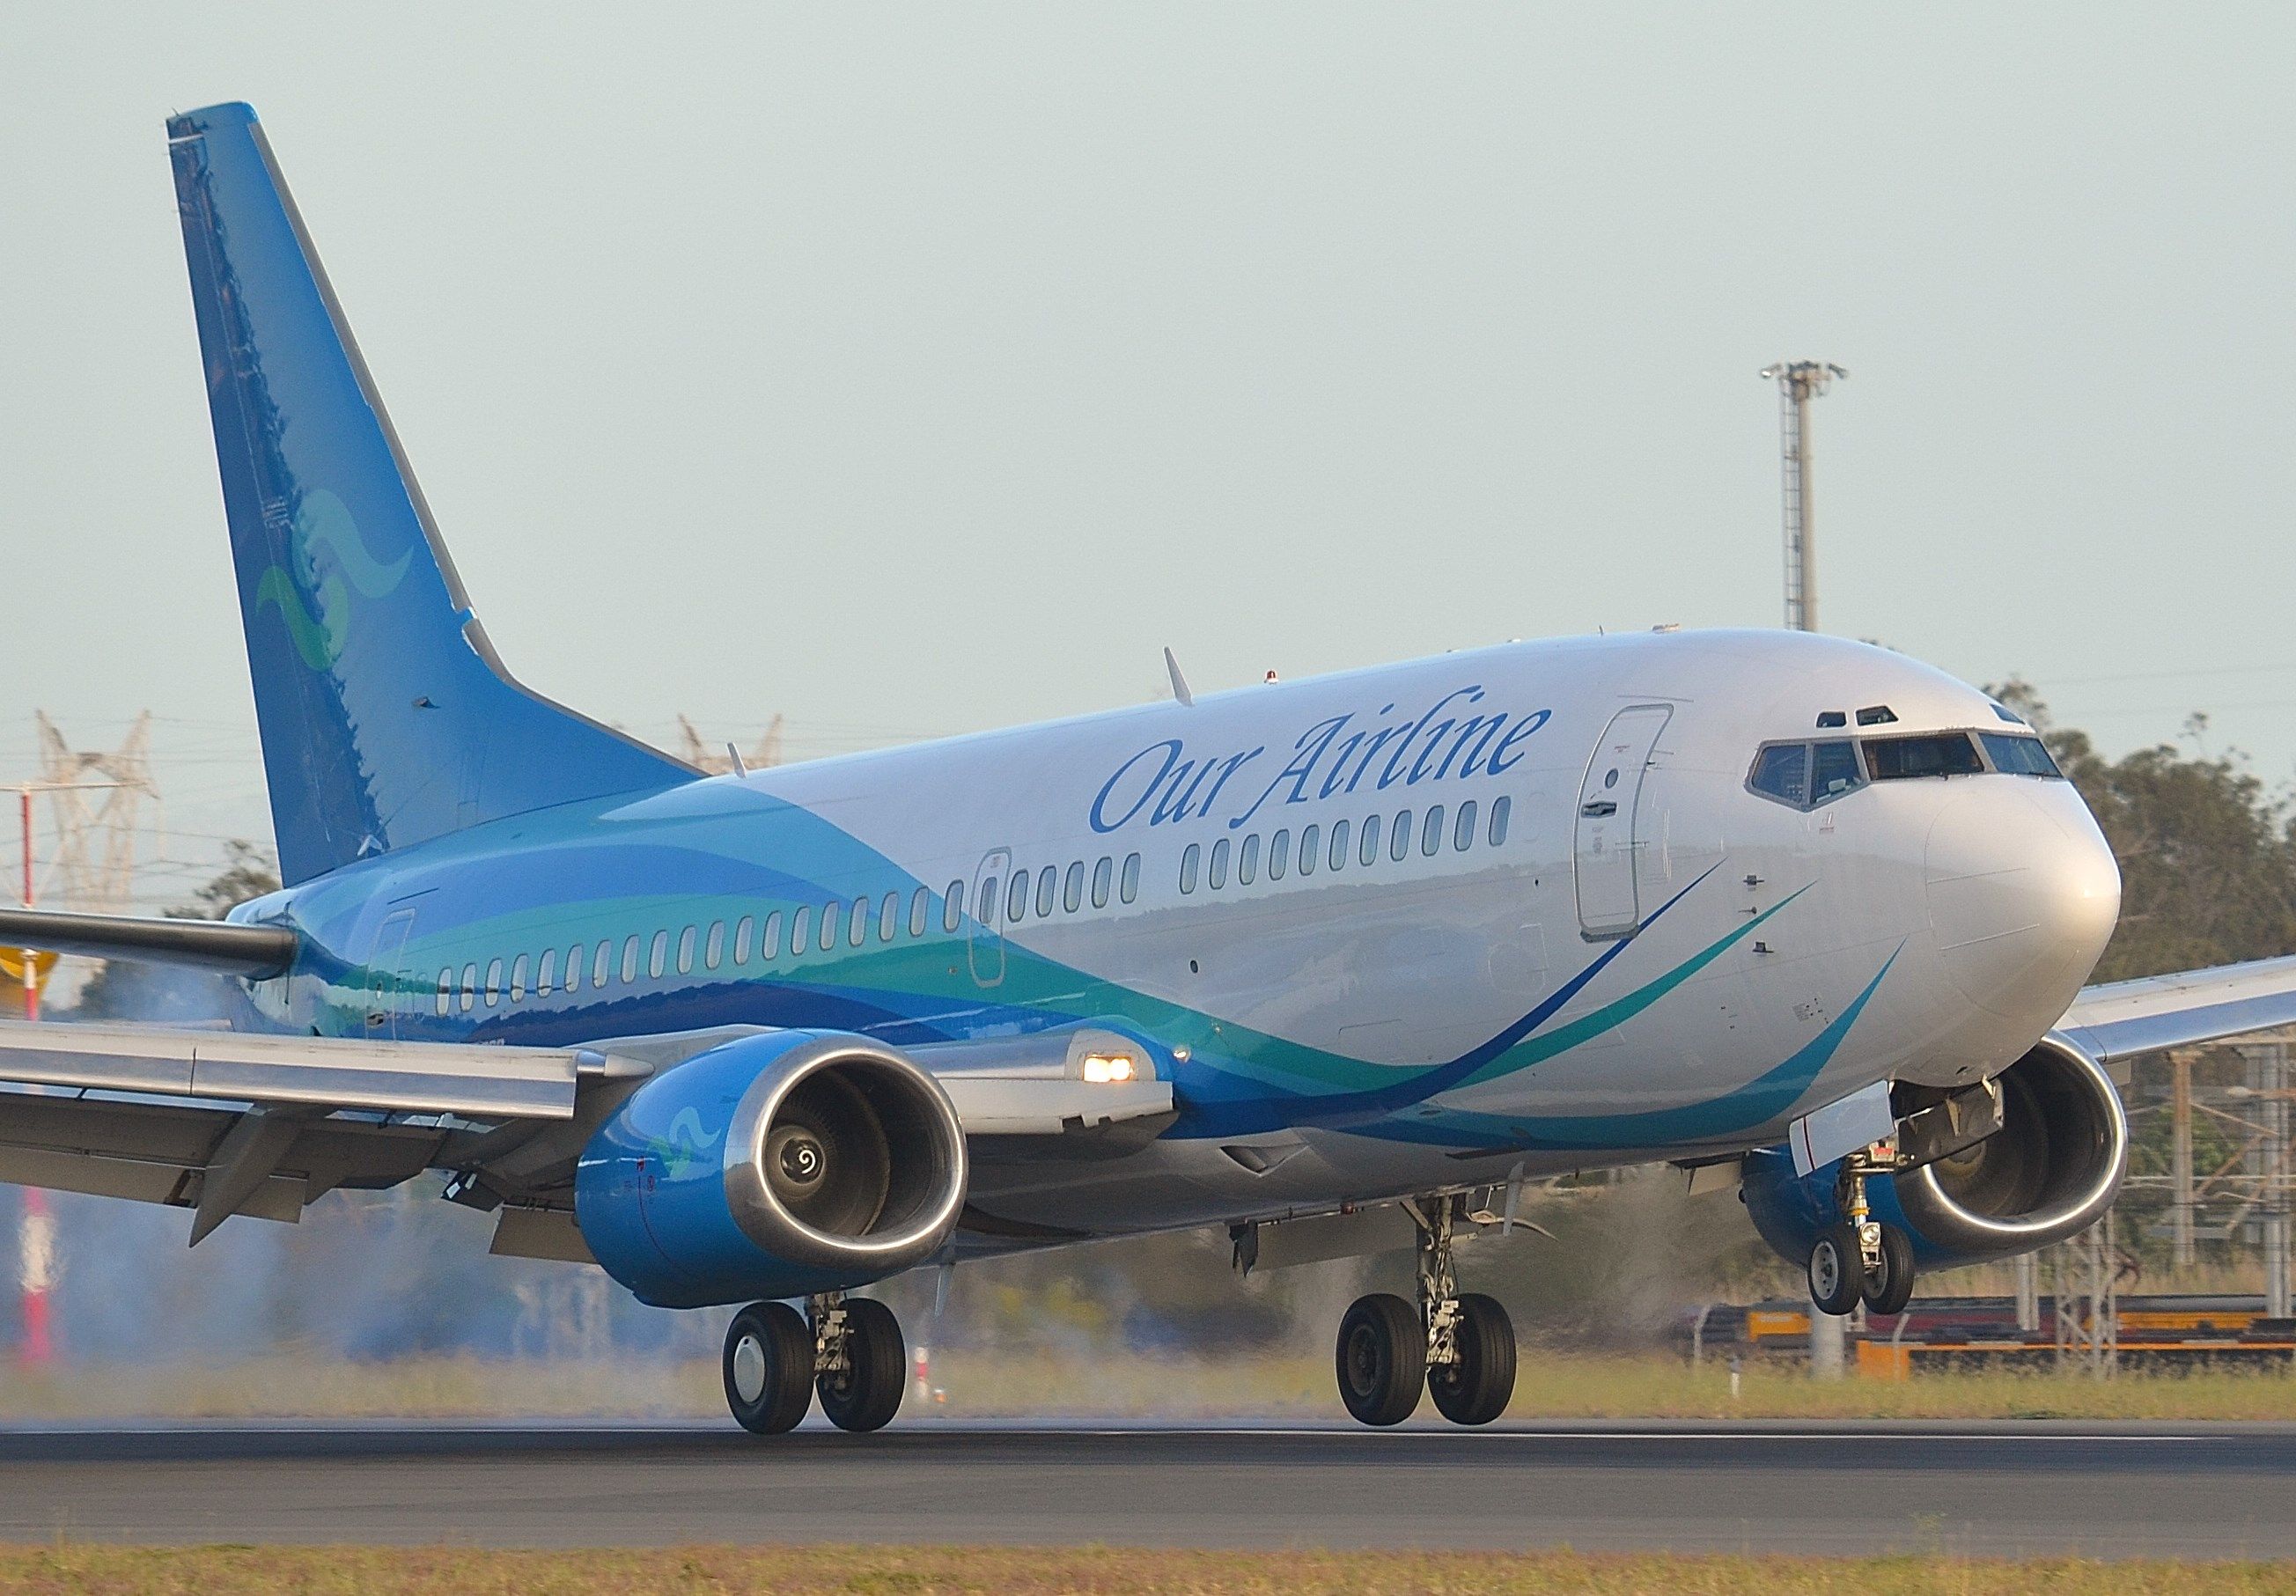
(1103, 1070)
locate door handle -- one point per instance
(1598, 807)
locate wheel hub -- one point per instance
(749, 1368)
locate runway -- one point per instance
(2039, 1488)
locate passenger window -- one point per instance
(1782, 772)
(888, 917)
(517, 979)
(658, 957)
(603, 966)
(446, 988)
(1188, 867)
(1904, 758)
(1016, 898)
(1129, 884)
(714, 954)
(1398, 841)
(1462, 833)
(1100, 874)
(1834, 770)
(1370, 851)
(2019, 756)
(1501, 808)
(856, 930)
(742, 939)
(1215, 877)
(1431, 832)
(1072, 892)
(952, 906)
(685, 941)
(830, 921)
(769, 938)
(1246, 861)
(920, 904)
(986, 909)
(1310, 852)
(547, 976)
(493, 983)
(470, 987)
(1338, 856)
(800, 923)
(1279, 855)
(1048, 882)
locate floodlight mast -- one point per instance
(1799, 382)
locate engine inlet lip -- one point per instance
(776, 1231)
(1937, 1214)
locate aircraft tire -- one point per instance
(1381, 1359)
(1477, 1388)
(1837, 1269)
(1890, 1287)
(769, 1368)
(866, 1395)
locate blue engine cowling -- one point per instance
(2050, 1172)
(774, 1165)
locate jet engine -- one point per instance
(776, 1165)
(2049, 1172)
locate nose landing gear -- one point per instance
(1460, 1348)
(1860, 1258)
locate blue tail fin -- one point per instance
(386, 718)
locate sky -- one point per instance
(908, 370)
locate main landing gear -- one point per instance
(847, 1349)
(1459, 1348)
(1860, 1258)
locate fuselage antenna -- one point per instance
(1179, 683)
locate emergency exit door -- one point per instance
(1609, 811)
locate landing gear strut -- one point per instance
(849, 1349)
(1861, 1258)
(1460, 1348)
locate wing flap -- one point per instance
(410, 1077)
(2185, 1010)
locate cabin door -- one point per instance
(1609, 809)
(390, 985)
(987, 944)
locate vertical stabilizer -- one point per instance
(386, 718)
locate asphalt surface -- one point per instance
(2041, 1488)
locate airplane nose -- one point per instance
(2023, 893)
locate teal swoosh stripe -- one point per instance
(1538, 1049)
(1766, 1098)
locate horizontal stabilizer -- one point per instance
(252, 951)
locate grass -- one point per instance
(74, 1570)
(1003, 1385)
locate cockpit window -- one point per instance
(1782, 772)
(1834, 770)
(2019, 756)
(1940, 754)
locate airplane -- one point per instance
(1338, 964)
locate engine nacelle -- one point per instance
(2049, 1172)
(774, 1165)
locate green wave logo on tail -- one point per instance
(323, 522)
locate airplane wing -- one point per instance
(2123, 1019)
(226, 1123)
